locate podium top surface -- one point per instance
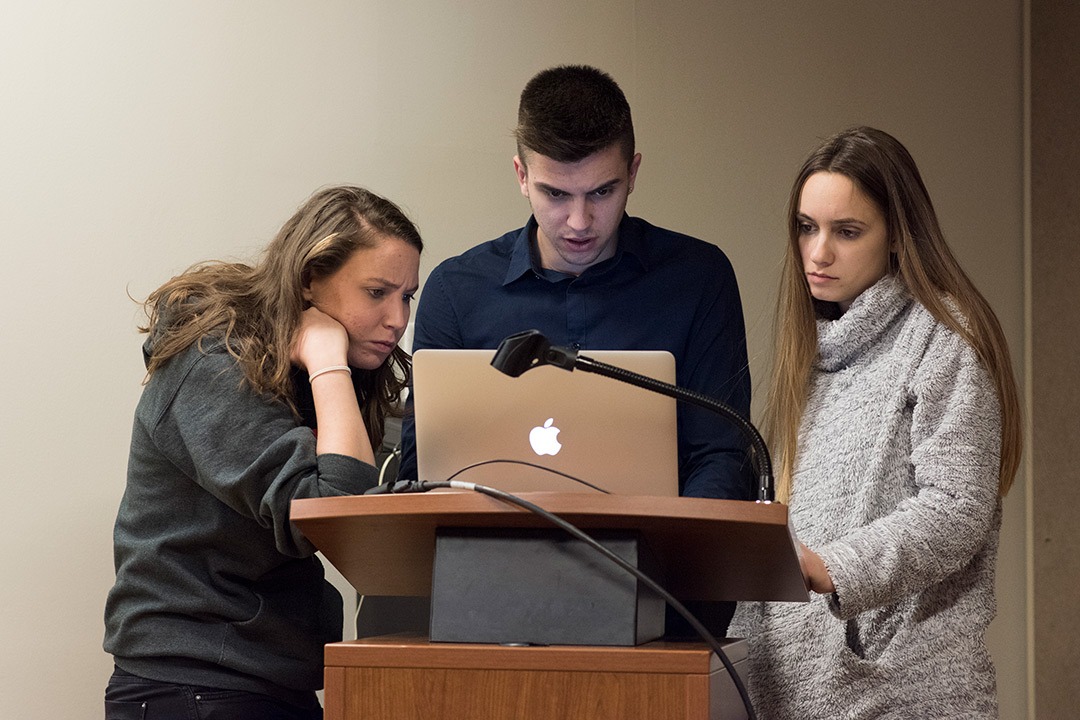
(412, 650)
(709, 549)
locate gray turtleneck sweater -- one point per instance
(895, 486)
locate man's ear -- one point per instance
(522, 175)
(635, 163)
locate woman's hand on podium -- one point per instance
(815, 574)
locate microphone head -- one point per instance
(525, 350)
(520, 352)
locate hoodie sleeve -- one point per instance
(247, 450)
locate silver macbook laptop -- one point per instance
(614, 435)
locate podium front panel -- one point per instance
(406, 678)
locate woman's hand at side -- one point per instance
(321, 343)
(814, 572)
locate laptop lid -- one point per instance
(614, 435)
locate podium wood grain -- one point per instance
(405, 677)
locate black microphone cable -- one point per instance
(407, 486)
(411, 486)
(532, 465)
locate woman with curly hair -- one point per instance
(265, 383)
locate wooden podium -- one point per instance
(409, 678)
(385, 544)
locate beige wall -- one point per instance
(136, 138)
(1055, 345)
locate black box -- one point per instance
(541, 587)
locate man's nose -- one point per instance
(580, 215)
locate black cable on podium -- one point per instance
(416, 486)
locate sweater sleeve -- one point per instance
(246, 449)
(955, 447)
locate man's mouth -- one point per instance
(579, 241)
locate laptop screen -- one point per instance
(613, 435)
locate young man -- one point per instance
(588, 276)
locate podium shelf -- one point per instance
(710, 549)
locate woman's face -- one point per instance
(371, 296)
(842, 239)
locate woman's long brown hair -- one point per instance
(881, 167)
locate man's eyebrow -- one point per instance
(609, 184)
(602, 186)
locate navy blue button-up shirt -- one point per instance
(660, 291)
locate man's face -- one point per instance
(577, 205)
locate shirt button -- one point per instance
(575, 346)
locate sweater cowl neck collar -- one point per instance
(869, 316)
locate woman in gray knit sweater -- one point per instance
(896, 423)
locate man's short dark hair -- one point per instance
(572, 111)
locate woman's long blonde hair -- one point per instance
(256, 309)
(881, 167)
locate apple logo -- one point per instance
(544, 439)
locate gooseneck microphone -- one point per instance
(528, 349)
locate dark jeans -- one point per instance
(129, 697)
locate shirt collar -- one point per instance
(524, 260)
(521, 261)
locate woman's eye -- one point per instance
(805, 228)
(849, 233)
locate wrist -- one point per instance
(327, 370)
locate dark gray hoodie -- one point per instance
(214, 586)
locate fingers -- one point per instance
(815, 574)
(802, 565)
(320, 342)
